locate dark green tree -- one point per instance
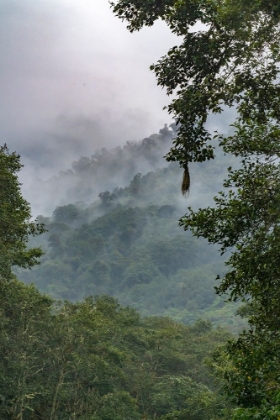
(66, 214)
(245, 221)
(15, 219)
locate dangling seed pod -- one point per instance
(186, 180)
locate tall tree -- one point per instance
(232, 62)
(15, 217)
(245, 223)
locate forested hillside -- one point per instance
(127, 242)
(97, 360)
(93, 359)
(103, 170)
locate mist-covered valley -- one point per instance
(112, 229)
(139, 210)
(96, 336)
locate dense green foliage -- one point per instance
(245, 219)
(15, 215)
(96, 360)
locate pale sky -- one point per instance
(73, 79)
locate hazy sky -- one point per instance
(73, 80)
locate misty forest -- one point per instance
(149, 289)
